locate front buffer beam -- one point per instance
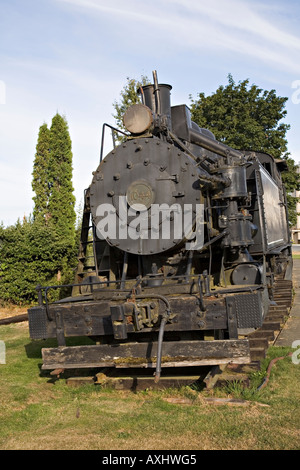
(144, 354)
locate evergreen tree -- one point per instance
(61, 204)
(54, 202)
(42, 249)
(248, 118)
(54, 211)
(40, 174)
(129, 96)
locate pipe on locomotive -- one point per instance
(165, 317)
(213, 145)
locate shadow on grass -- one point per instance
(34, 348)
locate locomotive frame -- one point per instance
(164, 301)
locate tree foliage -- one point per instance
(61, 202)
(39, 183)
(42, 249)
(244, 117)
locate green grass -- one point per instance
(38, 412)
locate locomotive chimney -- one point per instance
(158, 98)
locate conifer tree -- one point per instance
(61, 204)
(41, 249)
(54, 212)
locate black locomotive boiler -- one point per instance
(181, 243)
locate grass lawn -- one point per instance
(37, 412)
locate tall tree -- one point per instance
(40, 183)
(54, 213)
(41, 249)
(249, 118)
(52, 178)
(61, 204)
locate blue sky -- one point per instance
(73, 57)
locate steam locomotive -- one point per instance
(182, 238)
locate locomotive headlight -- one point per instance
(138, 118)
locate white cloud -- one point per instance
(233, 25)
(243, 16)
